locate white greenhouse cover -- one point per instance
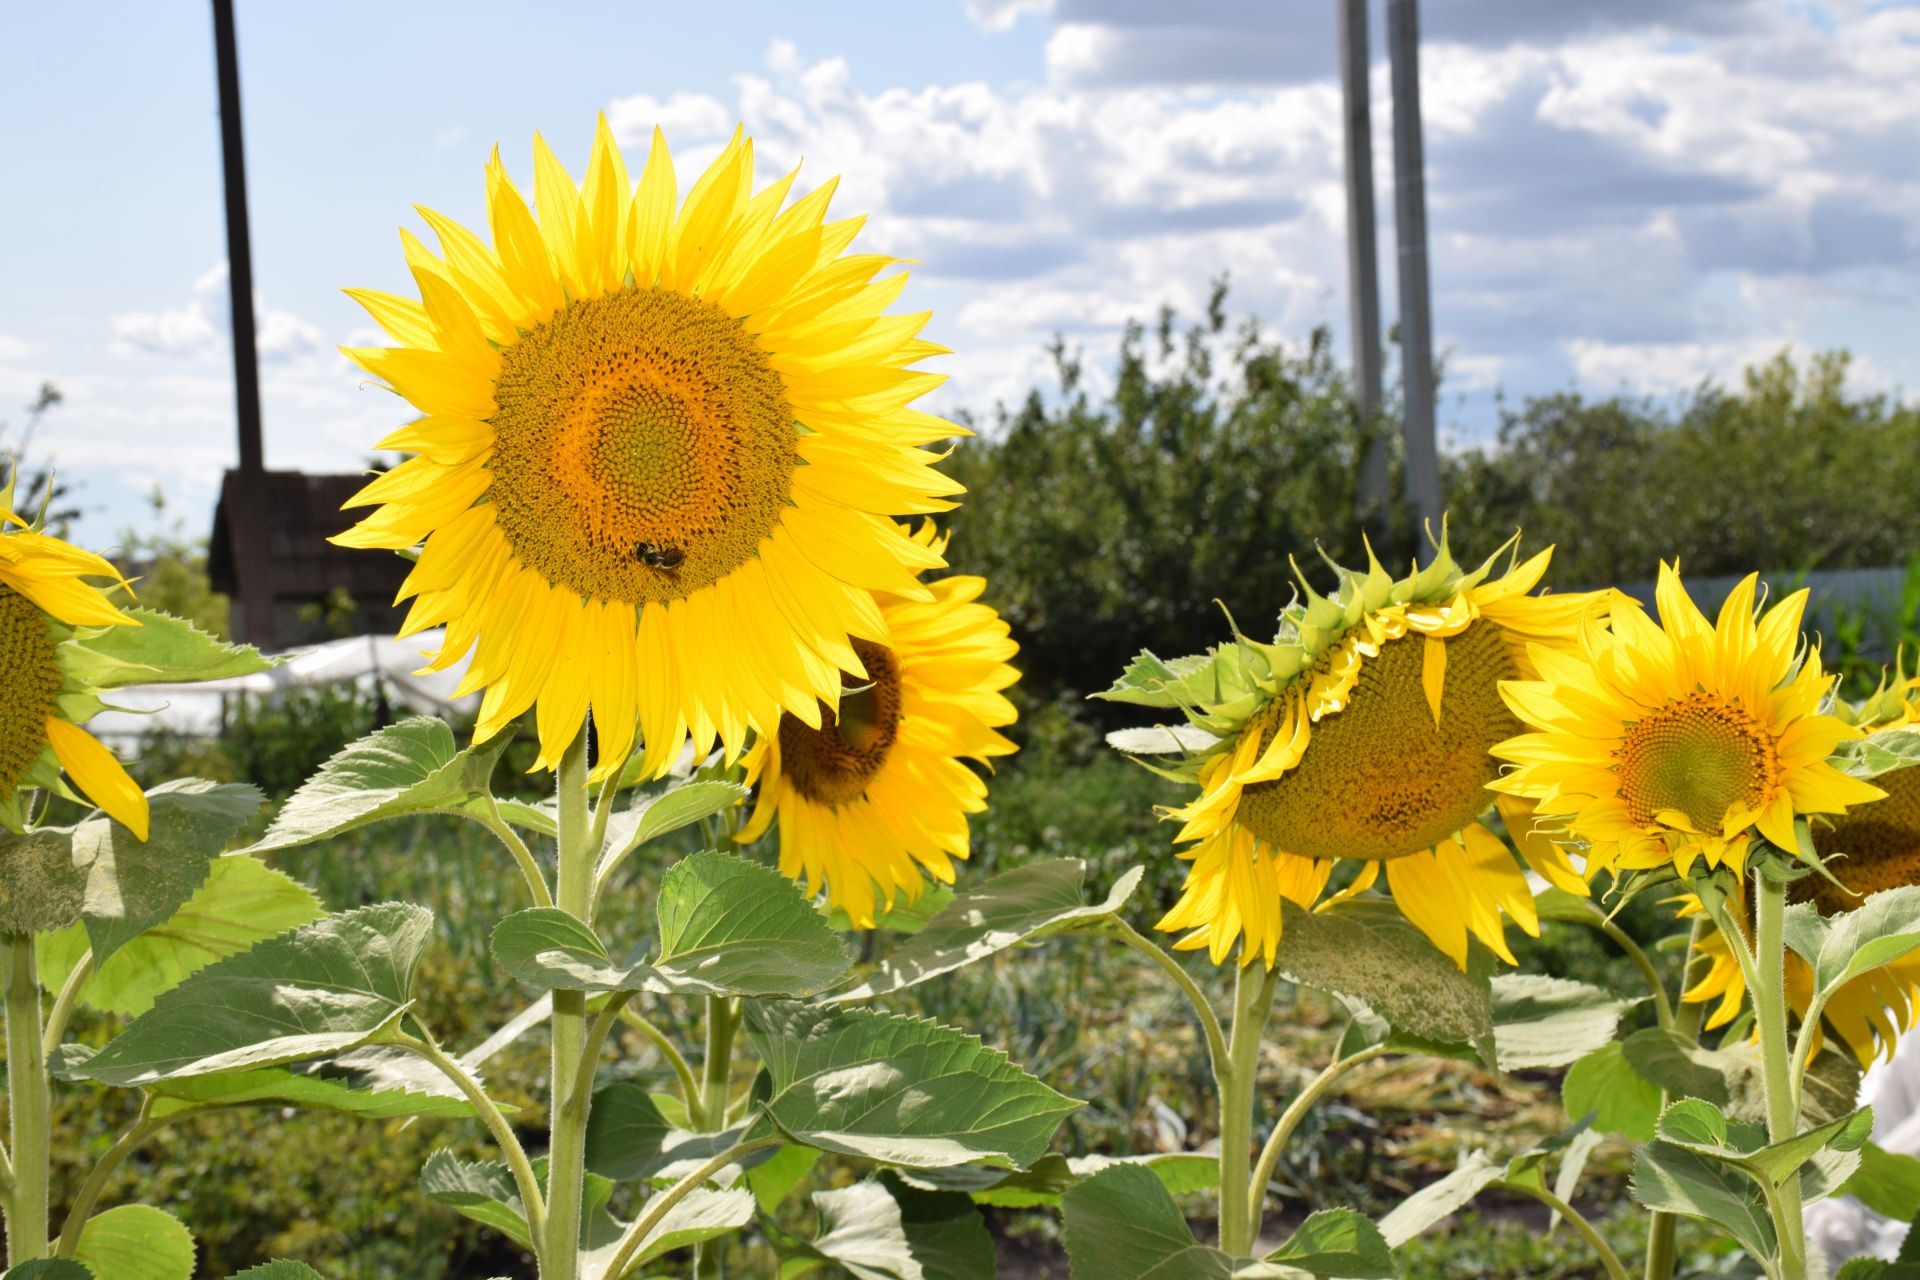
(196, 709)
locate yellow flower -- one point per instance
(1679, 742)
(881, 790)
(660, 448)
(1362, 733)
(1871, 847)
(45, 601)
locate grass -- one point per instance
(1081, 1013)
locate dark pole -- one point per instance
(1363, 266)
(247, 512)
(1410, 225)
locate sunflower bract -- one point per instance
(661, 444)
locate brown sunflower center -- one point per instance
(834, 764)
(1881, 844)
(644, 446)
(30, 679)
(1700, 756)
(1379, 778)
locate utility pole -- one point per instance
(249, 514)
(1410, 227)
(1363, 265)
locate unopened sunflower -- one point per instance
(1871, 847)
(879, 791)
(661, 443)
(1679, 743)
(45, 601)
(1362, 733)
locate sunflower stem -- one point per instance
(28, 1106)
(566, 1150)
(1290, 1120)
(1686, 1023)
(1777, 1066)
(1252, 1001)
(1171, 966)
(1608, 1258)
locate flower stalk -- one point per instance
(29, 1107)
(1252, 1001)
(570, 1099)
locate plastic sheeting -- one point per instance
(1842, 1227)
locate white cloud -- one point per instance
(690, 115)
(201, 326)
(13, 350)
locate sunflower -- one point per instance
(1362, 733)
(1869, 848)
(880, 789)
(45, 602)
(659, 450)
(1672, 744)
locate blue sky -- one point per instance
(1639, 195)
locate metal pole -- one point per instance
(1410, 226)
(1363, 264)
(247, 517)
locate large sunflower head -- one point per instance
(878, 792)
(1677, 743)
(660, 443)
(46, 603)
(1361, 732)
(1871, 847)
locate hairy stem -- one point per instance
(566, 1148)
(1289, 1121)
(144, 1126)
(497, 1126)
(723, 1018)
(1202, 1007)
(689, 1084)
(63, 1003)
(657, 1207)
(1687, 1023)
(1777, 1065)
(1608, 1258)
(29, 1106)
(1252, 1000)
(523, 856)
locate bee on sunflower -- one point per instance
(880, 791)
(1361, 733)
(661, 445)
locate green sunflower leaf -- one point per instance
(1878, 753)
(1037, 900)
(280, 1269)
(653, 816)
(630, 1139)
(898, 1090)
(1440, 1199)
(727, 927)
(703, 1214)
(137, 1242)
(903, 917)
(48, 1269)
(102, 875)
(377, 1083)
(163, 649)
(320, 990)
(1606, 1085)
(1886, 1182)
(1685, 1069)
(1551, 1022)
(1883, 928)
(1672, 1179)
(1338, 1242)
(887, 1230)
(410, 767)
(242, 902)
(1363, 950)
